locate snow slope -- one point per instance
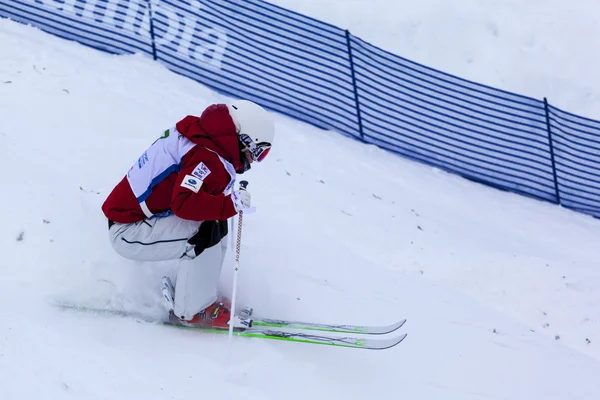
(502, 293)
(538, 48)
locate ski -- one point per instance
(168, 296)
(302, 337)
(311, 326)
(265, 332)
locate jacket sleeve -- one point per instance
(198, 191)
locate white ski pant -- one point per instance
(165, 238)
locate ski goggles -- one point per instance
(258, 151)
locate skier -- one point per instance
(174, 202)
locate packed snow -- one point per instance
(501, 292)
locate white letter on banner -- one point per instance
(181, 31)
(131, 10)
(83, 9)
(189, 23)
(187, 34)
(86, 10)
(210, 53)
(67, 6)
(92, 10)
(173, 21)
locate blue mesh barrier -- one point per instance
(576, 143)
(287, 62)
(114, 26)
(479, 132)
(320, 74)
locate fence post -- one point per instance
(551, 143)
(151, 16)
(360, 127)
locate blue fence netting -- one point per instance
(320, 74)
(473, 130)
(576, 145)
(289, 63)
(114, 26)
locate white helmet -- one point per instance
(253, 120)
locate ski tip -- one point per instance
(381, 344)
(395, 341)
(383, 330)
(400, 323)
(387, 329)
(401, 338)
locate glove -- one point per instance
(241, 200)
(209, 234)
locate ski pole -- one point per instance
(243, 186)
(231, 226)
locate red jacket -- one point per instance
(213, 130)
